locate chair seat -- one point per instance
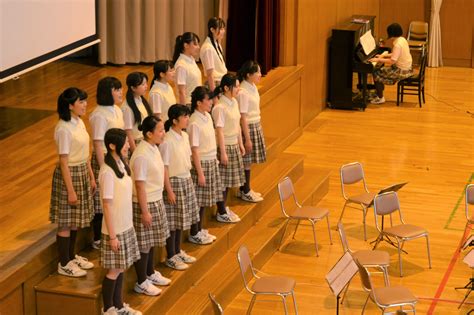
(393, 295)
(372, 257)
(416, 43)
(405, 230)
(307, 212)
(365, 198)
(274, 285)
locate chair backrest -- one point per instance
(469, 200)
(352, 173)
(286, 191)
(245, 264)
(424, 61)
(342, 234)
(386, 203)
(216, 307)
(418, 30)
(365, 278)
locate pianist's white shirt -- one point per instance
(401, 53)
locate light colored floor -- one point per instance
(433, 149)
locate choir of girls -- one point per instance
(156, 165)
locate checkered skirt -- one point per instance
(60, 211)
(186, 211)
(127, 254)
(391, 75)
(95, 169)
(232, 175)
(157, 234)
(208, 195)
(259, 151)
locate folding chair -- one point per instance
(469, 201)
(216, 307)
(269, 285)
(312, 214)
(387, 204)
(351, 174)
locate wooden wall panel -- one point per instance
(12, 303)
(402, 12)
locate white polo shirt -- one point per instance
(72, 139)
(202, 135)
(188, 74)
(104, 118)
(146, 165)
(161, 98)
(401, 53)
(129, 118)
(176, 154)
(249, 101)
(119, 190)
(226, 115)
(211, 58)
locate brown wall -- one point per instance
(306, 28)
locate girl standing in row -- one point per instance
(119, 247)
(229, 141)
(188, 75)
(180, 199)
(212, 56)
(73, 181)
(105, 116)
(161, 93)
(254, 142)
(149, 213)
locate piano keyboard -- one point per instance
(374, 63)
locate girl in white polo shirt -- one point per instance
(119, 247)
(188, 75)
(180, 199)
(211, 54)
(106, 115)
(254, 142)
(205, 171)
(226, 117)
(161, 93)
(135, 108)
(73, 181)
(149, 213)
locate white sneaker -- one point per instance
(127, 310)
(250, 197)
(185, 257)
(239, 193)
(176, 263)
(378, 100)
(96, 244)
(147, 288)
(71, 270)
(232, 214)
(111, 311)
(158, 279)
(206, 232)
(199, 239)
(226, 218)
(83, 263)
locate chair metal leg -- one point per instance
(329, 229)
(386, 279)
(398, 94)
(419, 94)
(428, 250)
(345, 291)
(296, 228)
(399, 257)
(294, 302)
(365, 304)
(284, 303)
(364, 214)
(315, 240)
(342, 212)
(463, 239)
(249, 310)
(284, 232)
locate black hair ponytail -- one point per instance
(174, 112)
(149, 125)
(248, 68)
(161, 66)
(134, 79)
(215, 23)
(228, 80)
(186, 38)
(198, 95)
(116, 137)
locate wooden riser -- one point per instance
(228, 235)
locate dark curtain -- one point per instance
(253, 33)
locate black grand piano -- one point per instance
(346, 56)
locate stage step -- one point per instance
(79, 296)
(224, 278)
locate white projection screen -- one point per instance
(35, 32)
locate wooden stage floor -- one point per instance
(432, 148)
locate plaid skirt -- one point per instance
(391, 75)
(186, 211)
(157, 234)
(233, 174)
(127, 254)
(60, 211)
(208, 195)
(95, 169)
(259, 151)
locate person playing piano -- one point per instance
(398, 63)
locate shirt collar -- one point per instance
(226, 100)
(188, 59)
(161, 86)
(201, 116)
(176, 135)
(74, 120)
(149, 145)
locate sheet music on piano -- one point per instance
(368, 42)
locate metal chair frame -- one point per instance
(217, 308)
(468, 200)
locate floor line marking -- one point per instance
(453, 213)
